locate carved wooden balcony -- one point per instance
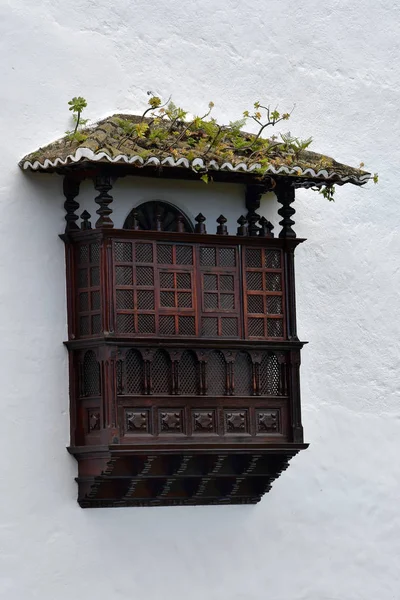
(184, 356)
(184, 365)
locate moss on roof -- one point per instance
(140, 141)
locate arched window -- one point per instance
(147, 214)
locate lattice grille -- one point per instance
(123, 252)
(270, 378)
(210, 282)
(167, 325)
(210, 301)
(95, 253)
(227, 301)
(254, 280)
(134, 372)
(183, 281)
(229, 327)
(123, 276)
(83, 254)
(255, 304)
(124, 299)
(167, 299)
(253, 257)
(184, 300)
(95, 276)
(144, 253)
(161, 374)
(243, 370)
(167, 280)
(91, 375)
(227, 257)
(84, 301)
(208, 257)
(274, 305)
(273, 259)
(145, 300)
(144, 276)
(256, 327)
(96, 324)
(95, 300)
(83, 278)
(184, 255)
(146, 324)
(186, 326)
(216, 374)
(273, 282)
(274, 328)
(84, 326)
(226, 283)
(209, 326)
(125, 323)
(164, 254)
(188, 374)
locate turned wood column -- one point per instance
(103, 185)
(285, 193)
(71, 190)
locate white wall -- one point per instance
(330, 528)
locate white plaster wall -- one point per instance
(330, 529)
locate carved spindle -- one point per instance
(86, 224)
(285, 194)
(253, 218)
(158, 221)
(71, 190)
(103, 185)
(242, 229)
(222, 228)
(135, 220)
(200, 227)
(266, 228)
(253, 201)
(180, 224)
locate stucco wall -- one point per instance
(330, 529)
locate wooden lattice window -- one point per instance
(263, 289)
(88, 286)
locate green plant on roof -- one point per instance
(77, 105)
(165, 129)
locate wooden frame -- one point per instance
(184, 385)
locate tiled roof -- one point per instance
(106, 142)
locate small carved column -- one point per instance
(253, 201)
(294, 395)
(71, 190)
(107, 286)
(285, 193)
(103, 185)
(109, 431)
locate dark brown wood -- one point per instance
(184, 362)
(222, 228)
(103, 185)
(200, 227)
(71, 190)
(285, 193)
(266, 228)
(243, 228)
(86, 224)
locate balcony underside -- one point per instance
(141, 476)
